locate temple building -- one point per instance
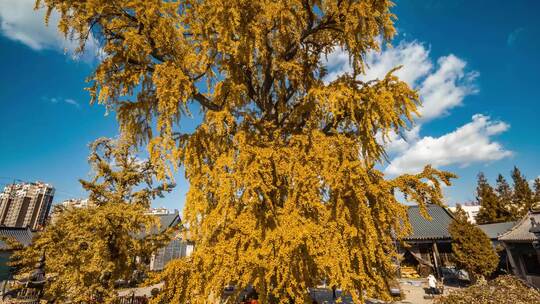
(523, 248)
(428, 249)
(11, 238)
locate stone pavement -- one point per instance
(139, 291)
(414, 293)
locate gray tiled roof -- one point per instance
(168, 220)
(494, 230)
(434, 229)
(21, 235)
(520, 232)
(165, 221)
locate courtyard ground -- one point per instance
(414, 291)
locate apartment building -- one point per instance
(25, 205)
(77, 203)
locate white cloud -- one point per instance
(72, 102)
(445, 88)
(532, 181)
(20, 22)
(69, 101)
(399, 143)
(442, 85)
(413, 56)
(470, 143)
(440, 90)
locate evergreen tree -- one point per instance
(523, 197)
(284, 186)
(88, 249)
(504, 200)
(537, 190)
(487, 199)
(471, 247)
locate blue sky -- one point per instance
(475, 62)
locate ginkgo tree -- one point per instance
(285, 190)
(88, 250)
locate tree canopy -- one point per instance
(537, 190)
(504, 198)
(88, 249)
(284, 186)
(491, 210)
(523, 197)
(505, 203)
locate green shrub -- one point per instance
(471, 247)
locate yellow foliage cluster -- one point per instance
(284, 186)
(88, 249)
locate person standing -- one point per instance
(432, 284)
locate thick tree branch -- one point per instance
(204, 101)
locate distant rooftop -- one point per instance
(21, 235)
(168, 220)
(495, 230)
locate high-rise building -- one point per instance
(25, 205)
